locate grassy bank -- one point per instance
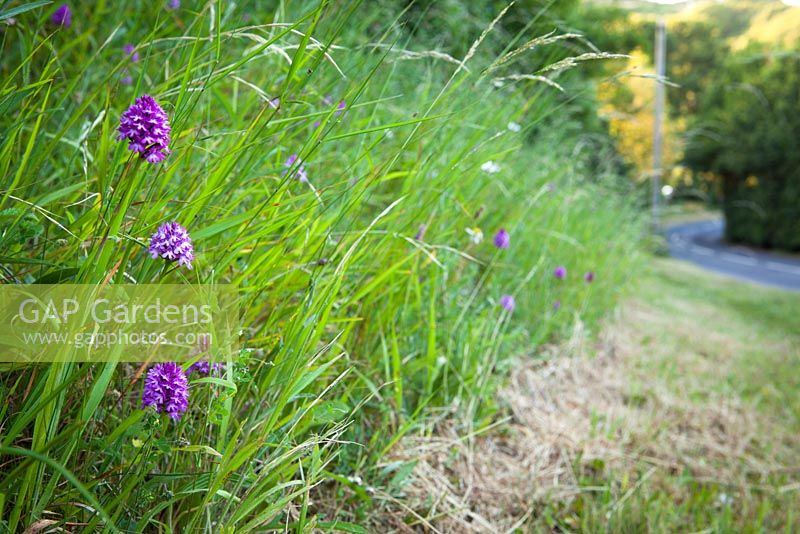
(369, 302)
(683, 415)
(715, 377)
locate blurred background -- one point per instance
(731, 120)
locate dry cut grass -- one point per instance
(644, 409)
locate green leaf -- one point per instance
(23, 8)
(199, 448)
(330, 412)
(342, 526)
(58, 276)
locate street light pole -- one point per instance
(661, 53)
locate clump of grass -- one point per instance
(357, 328)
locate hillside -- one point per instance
(740, 21)
(744, 21)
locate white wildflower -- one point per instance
(475, 235)
(490, 167)
(724, 499)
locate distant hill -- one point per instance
(740, 21)
(743, 21)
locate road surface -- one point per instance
(701, 243)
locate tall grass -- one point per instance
(358, 327)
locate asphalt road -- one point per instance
(701, 243)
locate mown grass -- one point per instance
(761, 324)
(722, 346)
(355, 330)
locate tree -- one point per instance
(695, 52)
(747, 132)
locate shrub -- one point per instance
(747, 133)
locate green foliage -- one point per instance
(19, 226)
(355, 332)
(747, 133)
(454, 24)
(696, 52)
(610, 28)
(732, 20)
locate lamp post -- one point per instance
(658, 135)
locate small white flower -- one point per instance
(724, 498)
(440, 361)
(475, 235)
(389, 134)
(514, 126)
(355, 479)
(490, 167)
